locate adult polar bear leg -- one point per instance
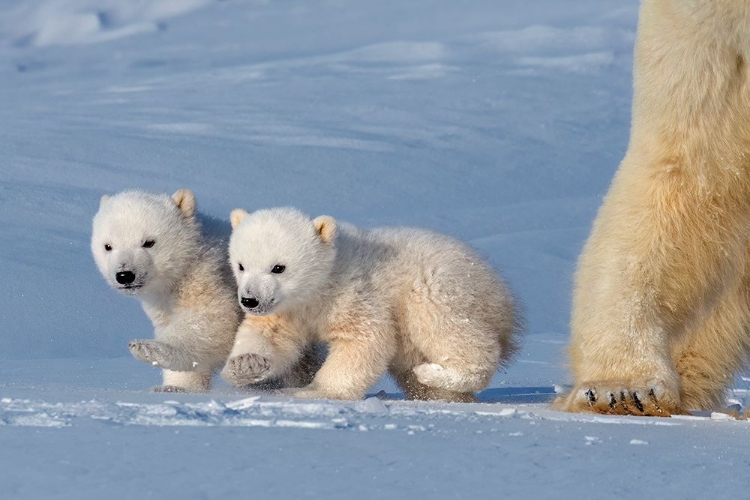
(668, 248)
(717, 350)
(632, 311)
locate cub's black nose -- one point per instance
(125, 277)
(249, 302)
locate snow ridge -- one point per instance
(44, 23)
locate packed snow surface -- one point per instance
(498, 122)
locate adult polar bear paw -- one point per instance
(160, 354)
(246, 369)
(649, 398)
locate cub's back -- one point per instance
(394, 258)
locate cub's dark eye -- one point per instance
(148, 243)
(278, 269)
(239, 266)
(108, 247)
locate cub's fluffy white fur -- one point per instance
(661, 315)
(420, 304)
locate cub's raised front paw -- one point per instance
(168, 388)
(150, 351)
(246, 369)
(651, 399)
(160, 354)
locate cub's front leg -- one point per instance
(162, 355)
(181, 372)
(265, 348)
(357, 357)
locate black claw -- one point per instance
(655, 401)
(637, 402)
(591, 395)
(624, 401)
(612, 400)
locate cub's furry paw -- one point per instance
(159, 354)
(168, 388)
(651, 399)
(246, 369)
(431, 374)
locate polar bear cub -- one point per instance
(151, 246)
(421, 305)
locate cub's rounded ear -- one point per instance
(325, 226)
(237, 215)
(103, 200)
(185, 201)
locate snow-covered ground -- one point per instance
(500, 122)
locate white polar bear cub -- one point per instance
(420, 304)
(151, 246)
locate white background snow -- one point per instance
(499, 122)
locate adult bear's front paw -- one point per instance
(246, 369)
(647, 398)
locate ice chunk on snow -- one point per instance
(372, 405)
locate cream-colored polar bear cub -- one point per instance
(152, 246)
(661, 314)
(422, 305)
